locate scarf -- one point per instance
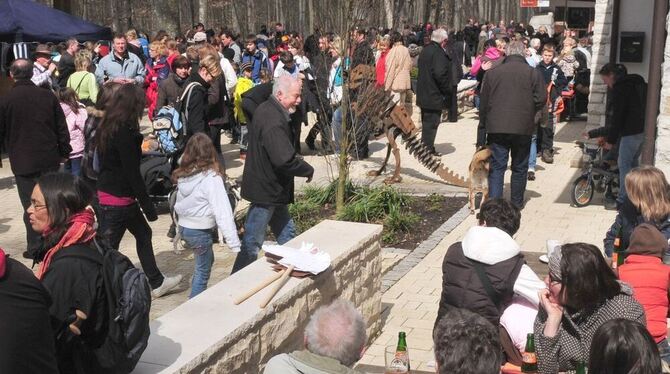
(80, 230)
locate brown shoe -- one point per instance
(547, 157)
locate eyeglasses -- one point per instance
(36, 206)
(553, 279)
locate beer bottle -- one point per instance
(529, 364)
(617, 254)
(581, 368)
(401, 349)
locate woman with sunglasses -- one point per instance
(582, 294)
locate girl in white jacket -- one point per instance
(202, 205)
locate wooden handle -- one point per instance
(240, 299)
(278, 286)
(74, 326)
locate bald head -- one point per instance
(21, 69)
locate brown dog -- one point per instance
(479, 176)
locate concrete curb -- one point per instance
(406, 264)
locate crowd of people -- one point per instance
(78, 172)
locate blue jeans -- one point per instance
(337, 128)
(502, 145)
(664, 350)
(258, 218)
(73, 166)
(630, 148)
(532, 157)
(244, 142)
(200, 241)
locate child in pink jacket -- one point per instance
(75, 115)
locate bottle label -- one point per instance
(615, 260)
(529, 358)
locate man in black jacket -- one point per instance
(34, 133)
(460, 56)
(628, 97)
(434, 86)
(269, 170)
(511, 95)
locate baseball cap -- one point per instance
(199, 37)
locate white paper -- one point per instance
(307, 258)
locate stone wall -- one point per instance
(662, 156)
(602, 36)
(208, 334)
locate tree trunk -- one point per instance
(388, 13)
(202, 11)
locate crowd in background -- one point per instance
(259, 88)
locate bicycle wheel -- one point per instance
(582, 191)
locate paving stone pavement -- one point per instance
(411, 303)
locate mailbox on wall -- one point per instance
(631, 47)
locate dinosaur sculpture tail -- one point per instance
(417, 149)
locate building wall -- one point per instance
(602, 29)
(637, 16)
(662, 156)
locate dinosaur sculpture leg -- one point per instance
(376, 173)
(393, 145)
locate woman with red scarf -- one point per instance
(70, 269)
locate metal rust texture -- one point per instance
(375, 108)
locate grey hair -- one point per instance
(283, 84)
(337, 331)
(439, 35)
(535, 43)
(515, 48)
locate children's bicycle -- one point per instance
(597, 175)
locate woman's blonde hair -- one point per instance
(159, 47)
(212, 64)
(647, 189)
(82, 60)
(199, 156)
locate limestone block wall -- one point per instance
(662, 156)
(208, 334)
(602, 36)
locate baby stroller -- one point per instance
(156, 170)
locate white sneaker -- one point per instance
(169, 283)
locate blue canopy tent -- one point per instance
(28, 21)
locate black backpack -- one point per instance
(128, 303)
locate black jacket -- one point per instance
(511, 95)
(120, 169)
(434, 82)
(74, 280)
(33, 129)
(628, 101)
(255, 97)
(26, 340)
(462, 288)
(169, 90)
(271, 162)
(198, 107)
(459, 56)
(362, 55)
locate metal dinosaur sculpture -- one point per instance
(375, 110)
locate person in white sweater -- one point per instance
(202, 205)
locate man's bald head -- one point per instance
(21, 69)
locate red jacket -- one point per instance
(649, 278)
